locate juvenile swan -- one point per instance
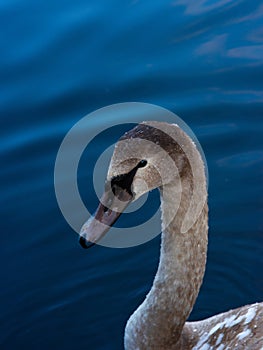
(164, 157)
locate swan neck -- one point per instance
(158, 322)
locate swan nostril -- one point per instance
(105, 209)
(84, 243)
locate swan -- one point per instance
(165, 157)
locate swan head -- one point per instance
(144, 158)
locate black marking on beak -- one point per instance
(118, 190)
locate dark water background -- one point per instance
(63, 59)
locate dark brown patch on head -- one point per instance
(148, 132)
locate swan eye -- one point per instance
(142, 163)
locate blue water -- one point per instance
(63, 59)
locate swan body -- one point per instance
(164, 157)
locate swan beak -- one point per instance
(109, 210)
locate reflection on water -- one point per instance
(202, 60)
